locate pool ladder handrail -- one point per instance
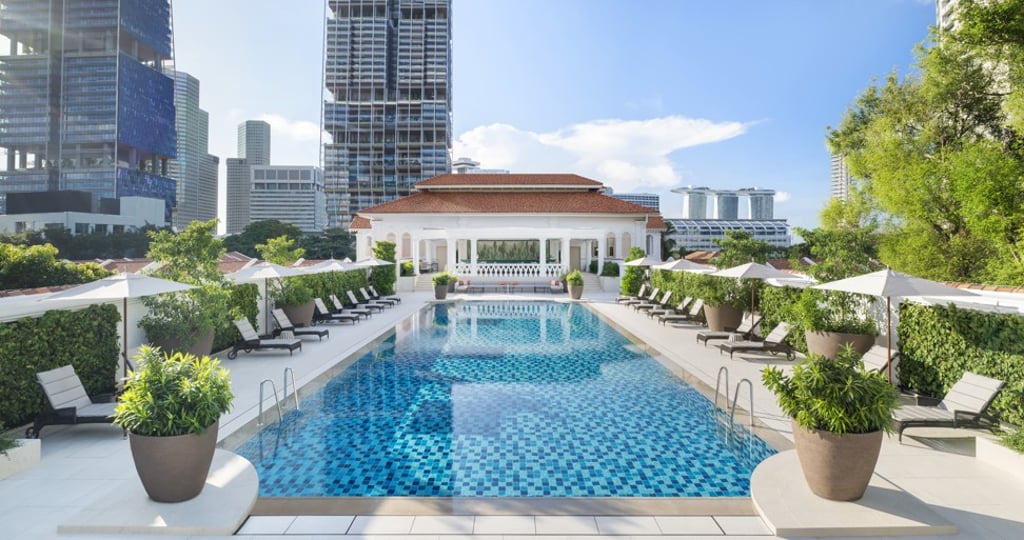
(736, 396)
(277, 400)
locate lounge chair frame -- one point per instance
(67, 402)
(774, 343)
(283, 324)
(251, 341)
(967, 400)
(348, 309)
(690, 316)
(321, 313)
(639, 295)
(377, 296)
(745, 330)
(365, 304)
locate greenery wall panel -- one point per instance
(243, 300)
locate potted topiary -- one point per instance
(442, 280)
(574, 280)
(833, 320)
(839, 411)
(724, 300)
(291, 294)
(170, 407)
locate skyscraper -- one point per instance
(253, 149)
(86, 103)
(388, 110)
(840, 178)
(194, 170)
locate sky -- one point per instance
(644, 96)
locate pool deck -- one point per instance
(930, 486)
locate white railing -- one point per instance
(510, 270)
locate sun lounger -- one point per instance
(68, 402)
(964, 405)
(681, 308)
(251, 341)
(875, 360)
(744, 332)
(690, 316)
(324, 314)
(774, 343)
(284, 324)
(639, 295)
(348, 309)
(647, 306)
(654, 294)
(372, 300)
(378, 296)
(364, 304)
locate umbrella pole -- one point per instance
(888, 335)
(124, 335)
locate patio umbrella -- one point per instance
(371, 261)
(683, 265)
(887, 283)
(265, 271)
(329, 265)
(123, 287)
(643, 261)
(752, 270)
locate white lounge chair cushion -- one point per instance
(97, 410)
(920, 412)
(63, 388)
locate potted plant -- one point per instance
(170, 407)
(292, 294)
(840, 411)
(833, 320)
(17, 455)
(574, 280)
(441, 282)
(724, 300)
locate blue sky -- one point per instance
(644, 96)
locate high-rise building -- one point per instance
(388, 110)
(840, 178)
(253, 149)
(695, 202)
(761, 203)
(945, 15)
(292, 194)
(194, 170)
(726, 205)
(86, 103)
(650, 200)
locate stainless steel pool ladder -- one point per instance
(736, 396)
(277, 400)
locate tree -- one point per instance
(383, 277)
(739, 247)
(332, 243)
(24, 267)
(632, 276)
(668, 245)
(258, 232)
(937, 155)
(280, 251)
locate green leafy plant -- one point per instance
(383, 278)
(444, 278)
(610, 269)
(574, 278)
(833, 311)
(173, 395)
(6, 442)
(244, 300)
(839, 396)
(289, 291)
(1014, 439)
(407, 269)
(592, 267)
(633, 276)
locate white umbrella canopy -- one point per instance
(643, 261)
(888, 283)
(266, 271)
(683, 265)
(120, 286)
(753, 270)
(330, 265)
(371, 261)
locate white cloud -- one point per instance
(299, 130)
(625, 154)
(782, 196)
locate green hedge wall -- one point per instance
(328, 283)
(86, 339)
(244, 300)
(938, 344)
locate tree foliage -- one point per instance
(332, 243)
(383, 277)
(258, 232)
(940, 153)
(740, 247)
(83, 247)
(23, 267)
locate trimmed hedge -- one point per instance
(244, 299)
(328, 283)
(938, 344)
(86, 339)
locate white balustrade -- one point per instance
(510, 270)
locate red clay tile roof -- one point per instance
(656, 223)
(508, 202)
(359, 222)
(508, 180)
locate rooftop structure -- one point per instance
(195, 170)
(292, 194)
(253, 149)
(704, 234)
(388, 112)
(840, 178)
(725, 203)
(87, 104)
(650, 200)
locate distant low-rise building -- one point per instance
(292, 194)
(113, 216)
(704, 234)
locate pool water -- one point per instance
(503, 399)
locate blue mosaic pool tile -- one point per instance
(505, 400)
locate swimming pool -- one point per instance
(505, 399)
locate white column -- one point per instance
(450, 262)
(472, 256)
(415, 241)
(543, 257)
(602, 248)
(565, 253)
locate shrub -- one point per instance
(444, 278)
(243, 299)
(592, 267)
(610, 269)
(1014, 440)
(633, 276)
(574, 278)
(839, 396)
(383, 277)
(407, 269)
(6, 442)
(173, 395)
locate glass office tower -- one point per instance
(388, 110)
(85, 102)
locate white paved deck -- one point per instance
(82, 465)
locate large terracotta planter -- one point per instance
(300, 315)
(575, 291)
(722, 318)
(173, 469)
(440, 292)
(202, 346)
(837, 467)
(828, 344)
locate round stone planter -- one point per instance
(837, 467)
(440, 292)
(202, 345)
(300, 315)
(723, 317)
(828, 344)
(575, 291)
(173, 469)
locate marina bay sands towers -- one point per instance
(725, 203)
